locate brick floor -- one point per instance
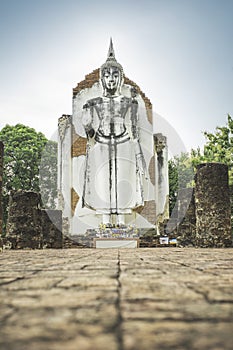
(128, 299)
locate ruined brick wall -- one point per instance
(79, 144)
(24, 223)
(29, 226)
(88, 82)
(148, 211)
(213, 210)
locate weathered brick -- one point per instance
(213, 209)
(29, 226)
(79, 144)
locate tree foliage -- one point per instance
(25, 153)
(23, 148)
(218, 148)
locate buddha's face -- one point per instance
(111, 78)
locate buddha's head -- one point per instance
(111, 74)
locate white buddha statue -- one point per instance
(115, 163)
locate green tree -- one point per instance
(23, 150)
(218, 148)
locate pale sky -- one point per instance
(180, 52)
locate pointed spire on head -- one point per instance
(111, 53)
(111, 61)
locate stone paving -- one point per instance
(126, 299)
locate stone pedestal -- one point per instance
(108, 243)
(213, 211)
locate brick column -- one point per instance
(213, 210)
(24, 220)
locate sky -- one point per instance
(180, 53)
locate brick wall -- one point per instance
(148, 211)
(30, 227)
(79, 144)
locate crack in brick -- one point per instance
(55, 284)
(118, 306)
(83, 267)
(206, 296)
(190, 266)
(190, 319)
(12, 281)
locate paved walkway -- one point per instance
(128, 299)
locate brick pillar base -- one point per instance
(213, 210)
